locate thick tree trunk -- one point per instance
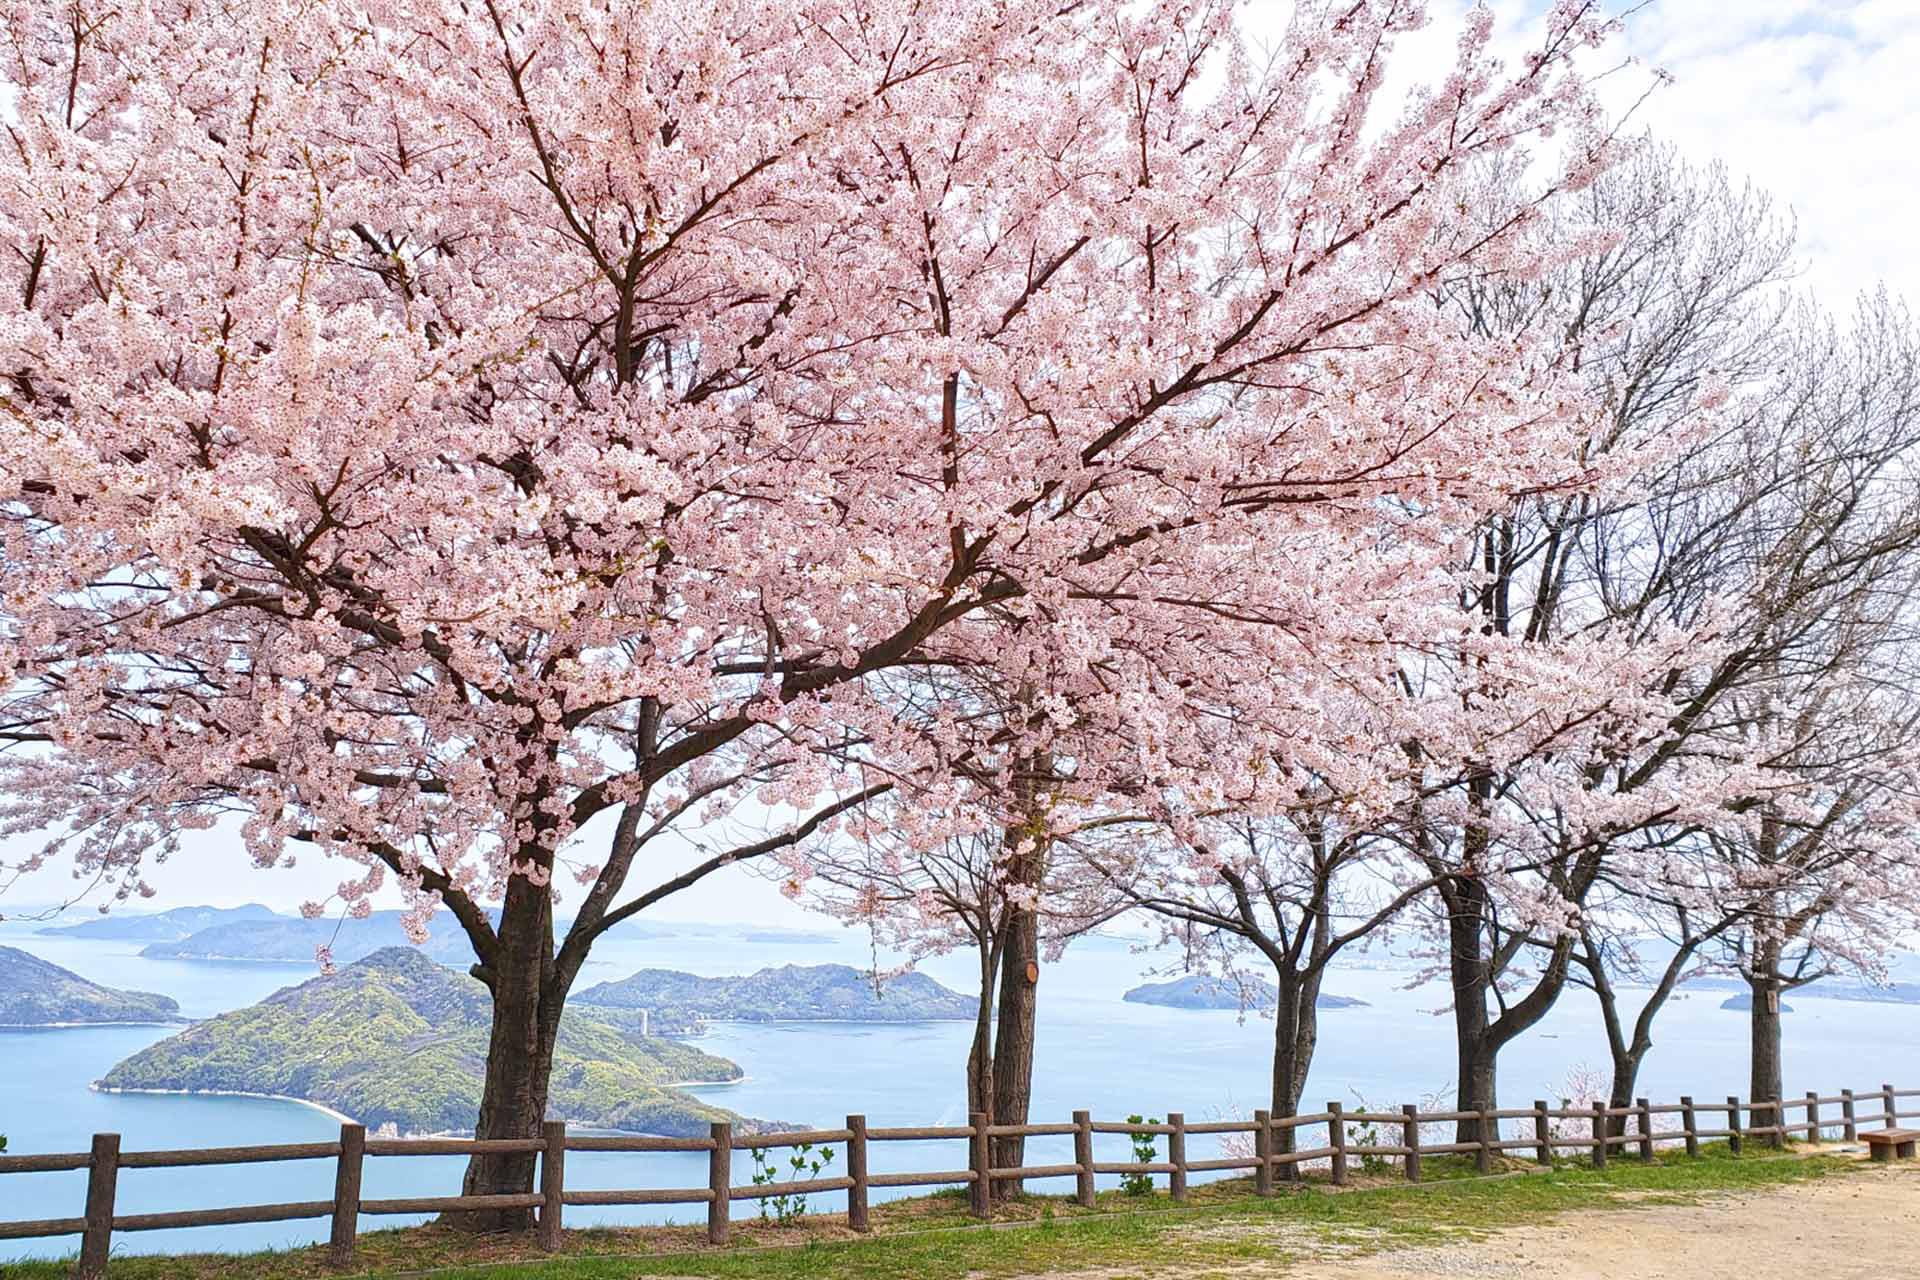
(526, 1021)
(1014, 1039)
(1475, 1049)
(1626, 1071)
(1296, 1033)
(1765, 1083)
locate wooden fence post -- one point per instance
(1777, 1139)
(1599, 1135)
(1337, 1139)
(1813, 1117)
(720, 1182)
(1733, 1125)
(1489, 1134)
(1645, 1117)
(103, 1175)
(1542, 1133)
(553, 1182)
(1851, 1129)
(1688, 1125)
(1177, 1156)
(1886, 1097)
(1083, 1158)
(1410, 1139)
(857, 1170)
(980, 1201)
(1263, 1152)
(346, 1193)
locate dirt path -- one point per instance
(1843, 1228)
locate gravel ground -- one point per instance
(1845, 1228)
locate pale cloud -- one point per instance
(1813, 100)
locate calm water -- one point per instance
(1094, 1052)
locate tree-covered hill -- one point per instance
(35, 993)
(789, 993)
(396, 1038)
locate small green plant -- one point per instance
(804, 1163)
(1145, 1150)
(1368, 1134)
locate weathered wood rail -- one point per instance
(1643, 1129)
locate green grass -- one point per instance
(930, 1238)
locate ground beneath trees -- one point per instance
(1843, 1228)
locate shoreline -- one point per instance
(343, 1118)
(118, 1022)
(321, 1107)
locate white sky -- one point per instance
(1809, 99)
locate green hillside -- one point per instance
(395, 1038)
(789, 993)
(35, 993)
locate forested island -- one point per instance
(1201, 991)
(395, 1039)
(36, 993)
(789, 993)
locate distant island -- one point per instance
(1200, 991)
(258, 933)
(161, 926)
(789, 993)
(396, 1039)
(34, 993)
(292, 939)
(1744, 1003)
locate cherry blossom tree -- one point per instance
(1672, 315)
(1774, 541)
(433, 428)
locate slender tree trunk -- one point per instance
(980, 1053)
(526, 1021)
(1629, 1051)
(1014, 1039)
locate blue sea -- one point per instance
(1094, 1051)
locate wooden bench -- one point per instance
(1885, 1144)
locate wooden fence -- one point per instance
(345, 1207)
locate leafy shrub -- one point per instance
(1145, 1151)
(803, 1164)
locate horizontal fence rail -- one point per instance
(1594, 1133)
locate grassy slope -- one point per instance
(932, 1239)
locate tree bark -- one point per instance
(1014, 1040)
(1765, 1082)
(1296, 1034)
(527, 1003)
(980, 1053)
(1475, 1053)
(1479, 1037)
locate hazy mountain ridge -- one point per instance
(397, 1039)
(161, 926)
(36, 993)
